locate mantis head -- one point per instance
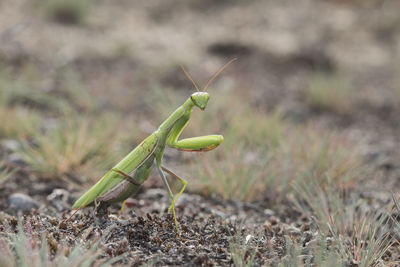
(200, 98)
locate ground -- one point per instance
(308, 173)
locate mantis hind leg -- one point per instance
(129, 179)
(183, 181)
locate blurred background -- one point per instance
(83, 82)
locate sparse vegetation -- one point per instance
(18, 122)
(28, 89)
(360, 235)
(72, 146)
(317, 252)
(331, 92)
(241, 178)
(72, 90)
(26, 250)
(289, 154)
(5, 173)
(242, 248)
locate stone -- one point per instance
(59, 199)
(22, 202)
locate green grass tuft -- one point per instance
(5, 173)
(242, 248)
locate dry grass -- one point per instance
(359, 234)
(18, 122)
(75, 147)
(331, 92)
(63, 132)
(244, 169)
(305, 153)
(71, 88)
(346, 230)
(5, 173)
(313, 253)
(314, 153)
(29, 89)
(229, 172)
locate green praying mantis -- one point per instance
(126, 177)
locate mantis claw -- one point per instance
(172, 206)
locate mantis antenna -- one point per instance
(190, 78)
(217, 73)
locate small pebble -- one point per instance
(22, 202)
(53, 221)
(10, 145)
(63, 225)
(53, 243)
(308, 236)
(269, 212)
(248, 237)
(305, 227)
(59, 199)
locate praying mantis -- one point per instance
(131, 172)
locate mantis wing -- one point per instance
(111, 179)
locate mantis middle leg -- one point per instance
(171, 195)
(183, 181)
